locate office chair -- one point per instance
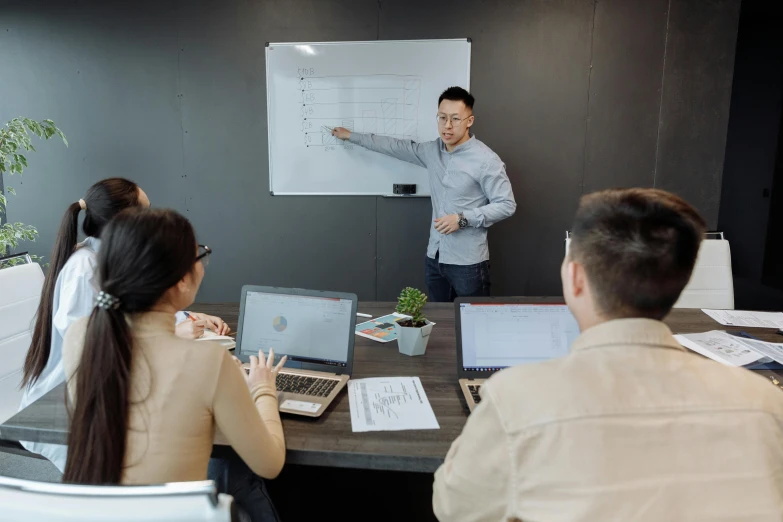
(21, 291)
(24, 500)
(711, 284)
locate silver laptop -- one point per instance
(314, 329)
(494, 333)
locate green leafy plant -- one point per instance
(14, 143)
(411, 302)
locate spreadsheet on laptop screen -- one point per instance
(306, 328)
(496, 336)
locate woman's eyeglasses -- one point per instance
(203, 254)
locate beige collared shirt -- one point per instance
(629, 427)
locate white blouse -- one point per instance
(74, 297)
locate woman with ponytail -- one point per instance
(70, 289)
(144, 402)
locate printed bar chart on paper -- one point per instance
(386, 88)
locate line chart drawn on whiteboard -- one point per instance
(382, 104)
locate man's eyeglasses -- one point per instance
(456, 121)
(203, 254)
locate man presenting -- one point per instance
(469, 189)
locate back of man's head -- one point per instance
(638, 248)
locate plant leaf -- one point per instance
(14, 137)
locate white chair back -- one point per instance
(20, 293)
(711, 284)
(24, 500)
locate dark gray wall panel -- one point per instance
(403, 231)
(698, 70)
(107, 76)
(625, 93)
(172, 94)
(312, 242)
(530, 109)
(752, 140)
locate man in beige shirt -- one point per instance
(628, 426)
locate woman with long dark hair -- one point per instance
(70, 289)
(144, 402)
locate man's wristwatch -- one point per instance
(463, 221)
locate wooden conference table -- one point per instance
(329, 441)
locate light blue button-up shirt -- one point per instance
(471, 179)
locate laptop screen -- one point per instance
(305, 328)
(496, 336)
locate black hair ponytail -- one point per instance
(102, 201)
(144, 254)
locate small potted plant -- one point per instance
(413, 333)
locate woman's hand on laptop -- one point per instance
(262, 369)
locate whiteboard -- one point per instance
(389, 88)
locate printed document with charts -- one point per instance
(720, 346)
(390, 404)
(730, 349)
(746, 318)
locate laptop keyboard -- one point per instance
(305, 385)
(474, 392)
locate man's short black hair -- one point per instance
(638, 247)
(457, 94)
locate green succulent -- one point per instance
(411, 302)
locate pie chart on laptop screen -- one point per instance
(279, 323)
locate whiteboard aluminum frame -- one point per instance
(268, 112)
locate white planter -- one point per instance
(413, 341)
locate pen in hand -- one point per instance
(198, 327)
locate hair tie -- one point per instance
(83, 204)
(107, 301)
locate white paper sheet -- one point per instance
(720, 346)
(227, 342)
(746, 318)
(772, 350)
(390, 404)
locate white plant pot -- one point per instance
(413, 341)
